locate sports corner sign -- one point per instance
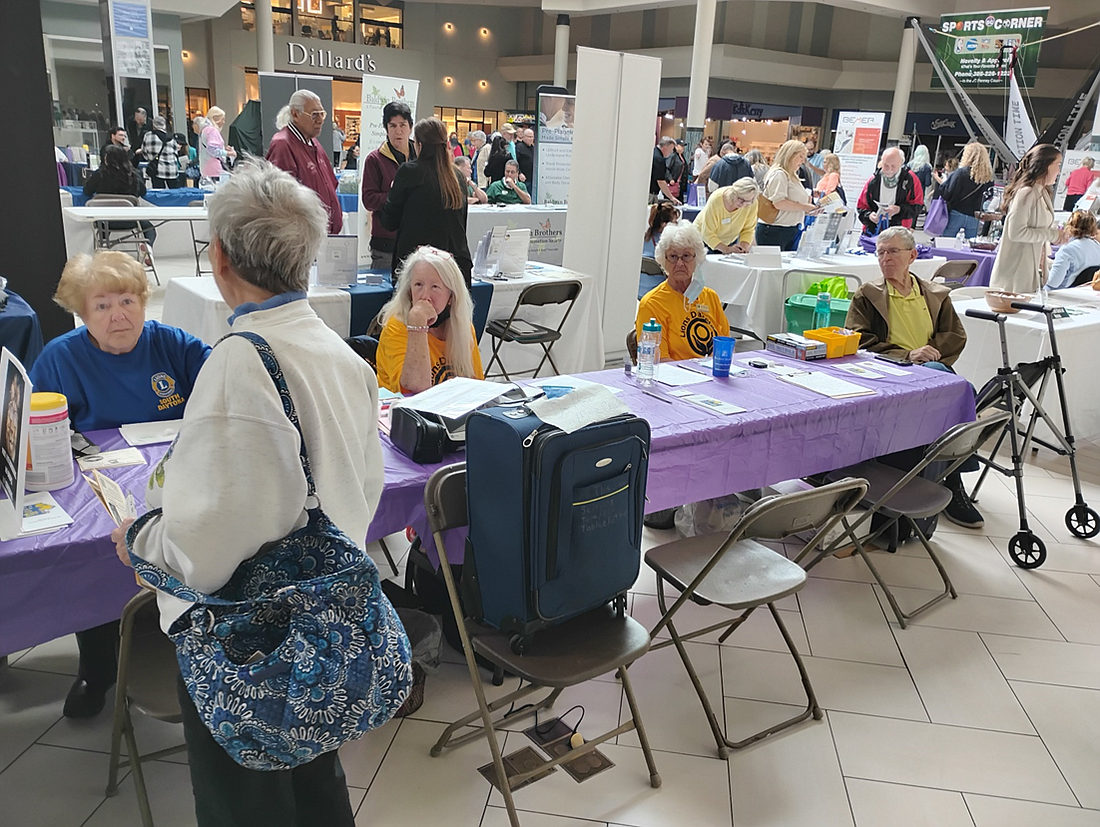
(976, 47)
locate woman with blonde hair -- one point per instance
(1078, 255)
(426, 203)
(831, 179)
(214, 156)
(784, 201)
(728, 220)
(428, 330)
(966, 189)
(117, 367)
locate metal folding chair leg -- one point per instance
(447, 739)
(496, 358)
(643, 739)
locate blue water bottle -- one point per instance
(822, 311)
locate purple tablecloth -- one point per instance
(985, 258)
(54, 584)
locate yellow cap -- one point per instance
(47, 401)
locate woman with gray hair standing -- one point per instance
(214, 156)
(233, 481)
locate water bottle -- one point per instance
(960, 239)
(822, 311)
(649, 352)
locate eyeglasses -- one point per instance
(686, 257)
(317, 114)
(893, 251)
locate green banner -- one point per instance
(976, 47)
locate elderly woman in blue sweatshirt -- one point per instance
(1078, 254)
(115, 369)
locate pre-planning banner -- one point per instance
(377, 92)
(554, 149)
(977, 47)
(857, 139)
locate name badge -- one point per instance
(727, 220)
(703, 308)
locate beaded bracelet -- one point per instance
(418, 328)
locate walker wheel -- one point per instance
(1083, 521)
(1027, 550)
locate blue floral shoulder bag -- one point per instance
(300, 651)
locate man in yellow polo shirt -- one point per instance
(903, 315)
(728, 221)
(913, 319)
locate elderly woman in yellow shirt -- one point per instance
(690, 314)
(728, 221)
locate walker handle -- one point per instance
(985, 314)
(1037, 308)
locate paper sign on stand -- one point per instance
(337, 263)
(15, 412)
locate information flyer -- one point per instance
(857, 140)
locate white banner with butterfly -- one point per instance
(378, 90)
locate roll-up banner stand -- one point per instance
(553, 145)
(857, 140)
(378, 90)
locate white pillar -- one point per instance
(561, 51)
(700, 64)
(265, 37)
(904, 84)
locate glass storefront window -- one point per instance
(381, 25)
(280, 14)
(326, 20)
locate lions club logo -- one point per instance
(163, 385)
(699, 335)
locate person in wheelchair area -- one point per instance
(906, 317)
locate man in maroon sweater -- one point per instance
(295, 148)
(379, 169)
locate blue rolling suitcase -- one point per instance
(555, 518)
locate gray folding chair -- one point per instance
(199, 244)
(124, 236)
(808, 277)
(896, 494)
(579, 650)
(955, 272)
(514, 329)
(736, 572)
(147, 676)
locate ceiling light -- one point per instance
(449, 27)
(484, 32)
(448, 81)
(484, 84)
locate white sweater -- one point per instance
(234, 480)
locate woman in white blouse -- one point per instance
(1029, 228)
(790, 201)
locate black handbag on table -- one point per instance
(422, 437)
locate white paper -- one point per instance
(827, 385)
(41, 514)
(577, 409)
(573, 382)
(882, 366)
(120, 505)
(455, 397)
(150, 433)
(860, 370)
(513, 256)
(712, 404)
(675, 376)
(111, 459)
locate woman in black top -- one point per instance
(966, 189)
(427, 201)
(117, 176)
(498, 157)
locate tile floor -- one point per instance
(981, 714)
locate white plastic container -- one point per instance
(50, 459)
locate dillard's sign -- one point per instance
(299, 55)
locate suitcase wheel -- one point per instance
(519, 644)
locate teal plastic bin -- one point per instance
(799, 310)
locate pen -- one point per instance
(654, 394)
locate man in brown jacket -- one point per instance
(913, 319)
(903, 315)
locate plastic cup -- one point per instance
(723, 355)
